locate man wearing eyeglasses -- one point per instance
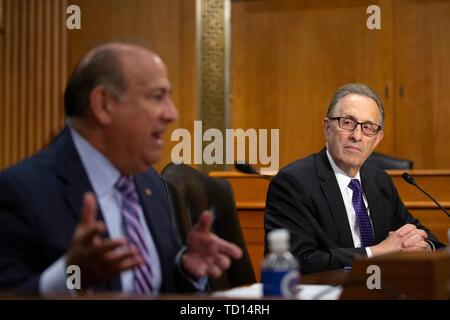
(334, 205)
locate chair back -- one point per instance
(386, 162)
(190, 193)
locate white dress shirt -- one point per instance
(343, 181)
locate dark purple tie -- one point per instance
(142, 276)
(362, 217)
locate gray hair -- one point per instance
(101, 66)
(359, 89)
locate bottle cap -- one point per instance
(278, 240)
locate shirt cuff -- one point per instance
(369, 252)
(54, 279)
(199, 284)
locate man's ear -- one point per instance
(380, 136)
(101, 104)
(326, 127)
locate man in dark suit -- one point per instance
(334, 204)
(91, 198)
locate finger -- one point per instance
(412, 249)
(194, 267)
(214, 271)
(422, 244)
(87, 235)
(229, 249)
(200, 270)
(405, 229)
(412, 241)
(223, 261)
(117, 256)
(107, 245)
(422, 233)
(416, 232)
(204, 222)
(89, 209)
(126, 264)
(130, 263)
(416, 248)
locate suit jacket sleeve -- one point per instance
(20, 263)
(289, 206)
(404, 217)
(183, 283)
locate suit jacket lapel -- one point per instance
(72, 173)
(75, 184)
(151, 207)
(333, 195)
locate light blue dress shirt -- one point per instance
(102, 175)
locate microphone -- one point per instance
(245, 168)
(249, 169)
(409, 179)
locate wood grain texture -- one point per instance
(30, 77)
(422, 72)
(37, 53)
(168, 27)
(289, 57)
(250, 196)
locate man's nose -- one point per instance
(357, 133)
(170, 111)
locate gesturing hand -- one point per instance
(207, 254)
(99, 259)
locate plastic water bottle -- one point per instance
(280, 270)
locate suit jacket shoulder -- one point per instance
(305, 198)
(40, 203)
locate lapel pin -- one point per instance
(148, 192)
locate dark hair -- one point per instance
(101, 66)
(359, 89)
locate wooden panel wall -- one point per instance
(289, 57)
(422, 70)
(32, 76)
(167, 26)
(37, 53)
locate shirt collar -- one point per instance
(101, 172)
(340, 174)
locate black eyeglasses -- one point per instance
(349, 124)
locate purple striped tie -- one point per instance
(142, 276)
(362, 217)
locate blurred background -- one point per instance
(241, 64)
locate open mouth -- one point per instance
(157, 136)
